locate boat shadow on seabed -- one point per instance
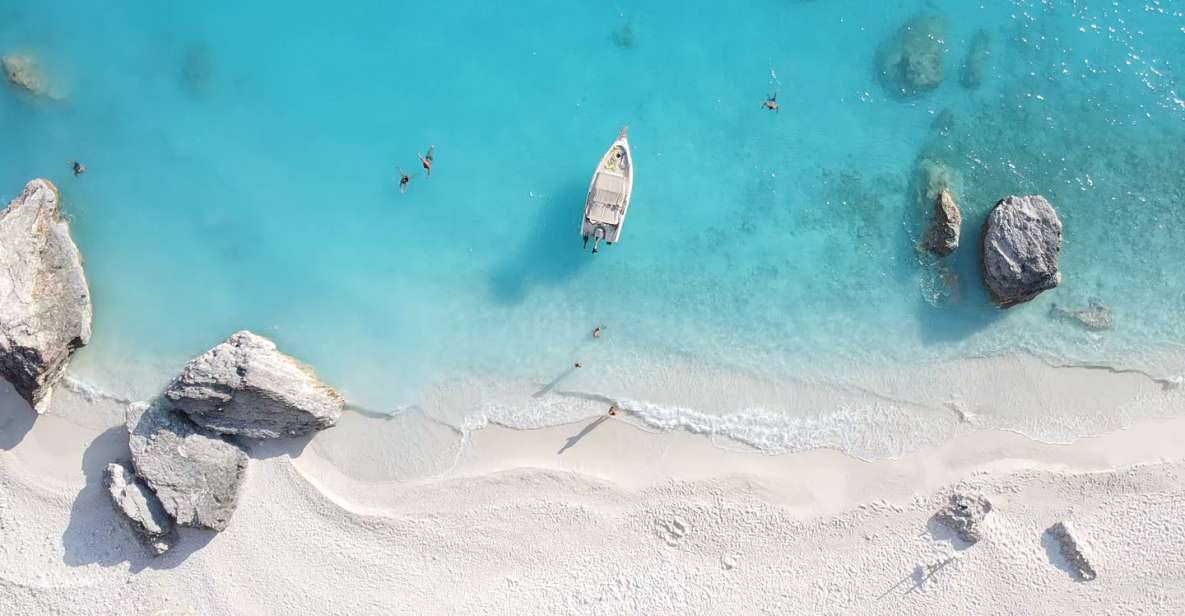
(550, 254)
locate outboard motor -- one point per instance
(598, 235)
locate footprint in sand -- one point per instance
(671, 531)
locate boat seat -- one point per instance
(604, 213)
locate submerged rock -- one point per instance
(45, 303)
(1095, 316)
(964, 515)
(194, 472)
(24, 72)
(140, 508)
(912, 62)
(1074, 551)
(1022, 244)
(976, 64)
(942, 238)
(245, 386)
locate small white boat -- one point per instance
(609, 194)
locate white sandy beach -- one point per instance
(624, 521)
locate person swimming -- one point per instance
(78, 168)
(771, 103)
(596, 333)
(426, 159)
(613, 410)
(404, 181)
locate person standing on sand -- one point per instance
(426, 159)
(404, 181)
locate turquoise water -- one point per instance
(243, 174)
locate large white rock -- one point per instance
(245, 386)
(195, 473)
(141, 509)
(45, 303)
(1022, 246)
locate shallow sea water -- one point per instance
(243, 163)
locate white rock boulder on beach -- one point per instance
(964, 515)
(142, 510)
(246, 387)
(194, 472)
(1022, 244)
(45, 303)
(1073, 550)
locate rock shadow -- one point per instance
(275, 447)
(551, 252)
(16, 417)
(98, 535)
(941, 532)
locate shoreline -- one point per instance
(668, 512)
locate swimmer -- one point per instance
(78, 168)
(404, 181)
(771, 103)
(426, 159)
(578, 365)
(597, 332)
(613, 410)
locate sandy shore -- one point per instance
(624, 520)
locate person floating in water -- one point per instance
(578, 365)
(404, 181)
(597, 332)
(78, 168)
(613, 410)
(771, 103)
(426, 159)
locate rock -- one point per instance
(194, 472)
(245, 386)
(943, 236)
(1022, 243)
(140, 508)
(943, 123)
(1074, 551)
(45, 303)
(23, 71)
(964, 515)
(975, 65)
(912, 62)
(1095, 316)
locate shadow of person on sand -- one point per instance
(16, 417)
(576, 438)
(97, 534)
(551, 252)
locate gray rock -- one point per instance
(1074, 551)
(912, 62)
(964, 515)
(45, 303)
(245, 386)
(943, 236)
(1022, 244)
(194, 472)
(140, 508)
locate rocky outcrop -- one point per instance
(964, 515)
(194, 472)
(912, 62)
(977, 61)
(45, 303)
(1074, 551)
(140, 508)
(1022, 244)
(1095, 317)
(942, 238)
(23, 71)
(245, 386)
